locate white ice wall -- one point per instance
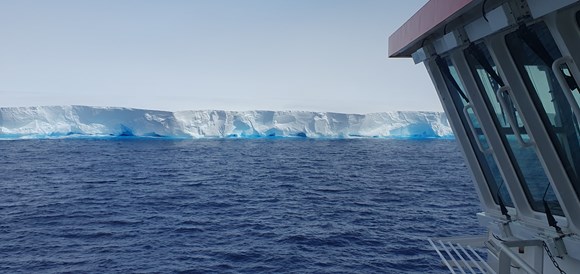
(39, 122)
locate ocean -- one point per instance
(268, 205)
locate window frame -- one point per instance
(494, 180)
(513, 41)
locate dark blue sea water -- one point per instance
(230, 206)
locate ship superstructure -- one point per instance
(507, 74)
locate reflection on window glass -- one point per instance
(486, 161)
(534, 51)
(524, 159)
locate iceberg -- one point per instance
(83, 121)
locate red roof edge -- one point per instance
(427, 18)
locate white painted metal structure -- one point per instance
(508, 76)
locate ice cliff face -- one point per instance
(59, 121)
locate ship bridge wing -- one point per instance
(507, 73)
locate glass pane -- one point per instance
(534, 51)
(486, 161)
(524, 159)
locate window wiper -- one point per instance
(551, 220)
(444, 68)
(501, 204)
(533, 42)
(476, 53)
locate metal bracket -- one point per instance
(507, 256)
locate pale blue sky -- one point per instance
(318, 55)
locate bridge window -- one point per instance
(524, 159)
(486, 161)
(534, 51)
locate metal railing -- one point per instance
(459, 255)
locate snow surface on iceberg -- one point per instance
(59, 121)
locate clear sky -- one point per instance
(317, 55)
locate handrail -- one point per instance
(462, 259)
(451, 256)
(472, 128)
(471, 258)
(441, 256)
(487, 267)
(511, 117)
(564, 84)
(459, 259)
